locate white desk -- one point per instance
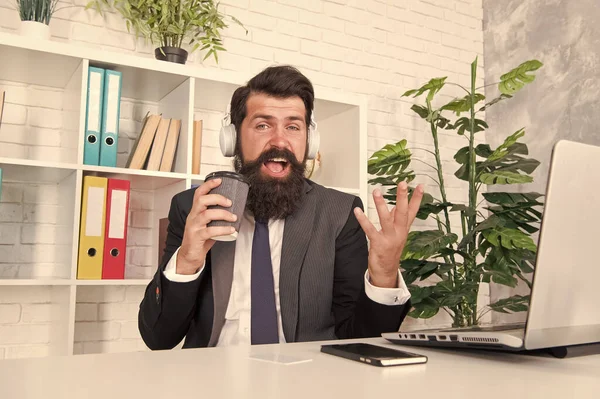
(230, 373)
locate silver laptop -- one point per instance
(563, 309)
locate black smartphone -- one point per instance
(373, 354)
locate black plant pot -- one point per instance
(171, 54)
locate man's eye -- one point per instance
(262, 126)
(294, 128)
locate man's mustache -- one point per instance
(277, 153)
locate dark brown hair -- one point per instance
(281, 81)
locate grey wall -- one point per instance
(563, 102)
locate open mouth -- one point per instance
(277, 166)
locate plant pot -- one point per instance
(171, 54)
(35, 30)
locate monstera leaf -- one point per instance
(432, 87)
(464, 124)
(418, 269)
(495, 101)
(516, 303)
(391, 159)
(423, 244)
(503, 149)
(513, 81)
(509, 238)
(504, 177)
(463, 104)
(516, 208)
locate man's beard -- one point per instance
(270, 197)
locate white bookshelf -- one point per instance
(41, 196)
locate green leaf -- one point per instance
(464, 209)
(509, 238)
(504, 177)
(464, 124)
(451, 295)
(495, 101)
(420, 110)
(503, 149)
(425, 309)
(390, 159)
(516, 209)
(513, 81)
(462, 155)
(431, 208)
(464, 104)
(500, 277)
(432, 87)
(416, 269)
(423, 244)
(515, 303)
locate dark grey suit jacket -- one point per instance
(323, 262)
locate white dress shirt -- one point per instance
(236, 330)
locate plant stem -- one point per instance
(425, 163)
(472, 218)
(438, 161)
(424, 149)
(436, 182)
(456, 84)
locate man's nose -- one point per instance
(279, 138)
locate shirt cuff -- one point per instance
(387, 296)
(170, 271)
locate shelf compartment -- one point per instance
(36, 222)
(34, 321)
(41, 122)
(149, 201)
(106, 319)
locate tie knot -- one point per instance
(262, 221)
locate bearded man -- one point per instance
(323, 281)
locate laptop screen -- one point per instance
(564, 301)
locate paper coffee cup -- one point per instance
(234, 186)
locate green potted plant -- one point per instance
(493, 242)
(169, 24)
(35, 17)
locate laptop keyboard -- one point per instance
(503, 327)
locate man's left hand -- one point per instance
(388, 243)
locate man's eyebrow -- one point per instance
(269, 117)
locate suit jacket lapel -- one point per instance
(222, 258)
(296, 237)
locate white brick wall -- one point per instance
(378, 48)
(24, 321)
(34, 242)
(106, 319)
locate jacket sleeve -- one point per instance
(356, 315)
(167, 308)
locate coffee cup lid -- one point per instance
(231, 175)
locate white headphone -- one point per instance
(228, 137)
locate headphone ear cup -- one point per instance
(314, 140)
(227, 139)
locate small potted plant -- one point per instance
(35, 17)
(169, 24)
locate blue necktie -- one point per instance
(263, 310)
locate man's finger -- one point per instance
(205, 187)
(401, 216)
(365, 223)
(415, 203)
(202, 203)
(385, 217)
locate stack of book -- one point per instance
(156, 145)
